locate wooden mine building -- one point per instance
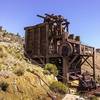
(51, 42)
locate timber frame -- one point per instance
(51, 42)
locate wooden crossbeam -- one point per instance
(84, 60)
(73, 59)
(88, 63)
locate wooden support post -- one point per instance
(93, 58)
(84, 60)
(32, 42)
(38, 41)
(65, 69)
(47, 43)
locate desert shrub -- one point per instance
(2, 52)
(93, 98)
(19, 71)
(46, 72)
(18, 55)
(4, 86)
(30, 70)
(4, 34)
(51, 68)
(58, 87)
(18, 35)
(2, 67)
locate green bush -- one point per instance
(46, 72)
(4, 86)
(51, 68)
(58, 87)
(93, 98)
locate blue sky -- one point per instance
(84, 16)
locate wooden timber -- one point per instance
(50, 42)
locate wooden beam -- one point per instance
(88, 63)
(65, 69)
(47, 42)
(93, 58)
(84, 60)
(74, 58)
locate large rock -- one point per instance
(72, 97)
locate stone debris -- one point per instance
(6, 74)
(72, 97)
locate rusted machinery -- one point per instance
(51, 42)
(86, 82)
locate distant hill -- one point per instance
(10, 37)
(98, 50)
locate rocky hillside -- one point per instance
(10, 37)
(19, 79)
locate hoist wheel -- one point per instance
(66, 49)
